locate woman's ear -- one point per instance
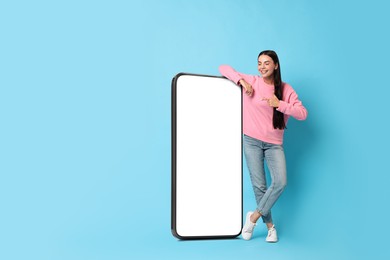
(276, 66)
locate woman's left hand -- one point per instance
(272, 102)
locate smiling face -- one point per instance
(266, 66)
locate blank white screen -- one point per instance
(208, 157)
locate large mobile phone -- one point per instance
(206, 157)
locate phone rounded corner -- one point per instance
(239, 233)
(177, 76)
(176, 234)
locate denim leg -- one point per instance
(276, 162)
(254, 156)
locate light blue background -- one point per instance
(85, 124)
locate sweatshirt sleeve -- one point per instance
(292, 106)
(235, 76)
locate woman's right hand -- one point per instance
(248, 87)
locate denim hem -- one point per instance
(266, 219)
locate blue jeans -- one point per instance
(255, 153)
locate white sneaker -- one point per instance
(272, 235)
(247, 230)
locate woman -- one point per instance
(267, 104)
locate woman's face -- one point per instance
(266, 66)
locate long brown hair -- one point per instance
(278, 117)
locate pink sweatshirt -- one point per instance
(257, 114)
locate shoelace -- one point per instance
(271, 230)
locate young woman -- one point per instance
(267, 104)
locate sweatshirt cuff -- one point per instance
(236, 79)
(282, 106)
